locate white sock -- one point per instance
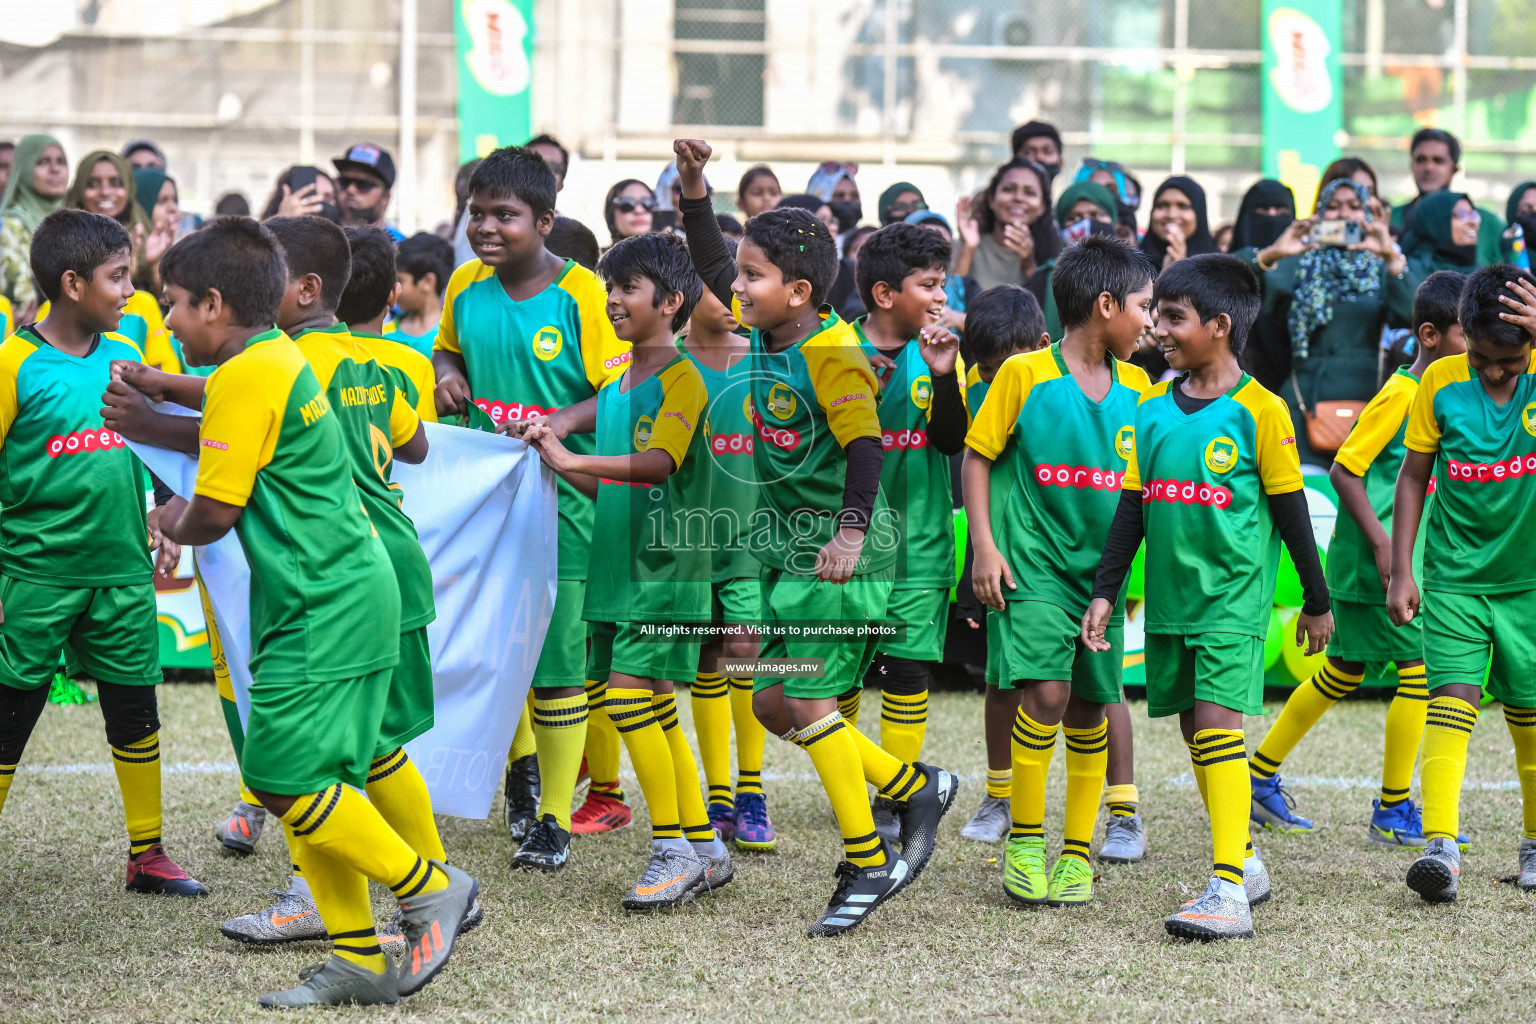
(1233, 891)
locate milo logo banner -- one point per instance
(1302, 82)
(495, 68)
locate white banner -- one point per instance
(484, 508)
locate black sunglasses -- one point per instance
(361, 186)
(624, 204)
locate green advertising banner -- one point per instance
(495, 70)
(1303, 92)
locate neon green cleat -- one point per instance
(1024, 870)
(1070, 884)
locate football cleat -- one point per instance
(337, 982)
(1215, 915)
(1434, 875)
(546, 847)
(722, 818)
(153, 871)
(1526, 879)
(859, 891)
(522, 795)
(1070, 883)
(432, 923)
(990, 823)
(1272, 806)
(293, 918)
(921, 813)
(1024, 877)
(1125, 840)
(601, 813)
(753, 829)
(674, 875)
(242, 828)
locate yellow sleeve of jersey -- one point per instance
(971, 379)
(243, 409)
(1275, 437)
(845, 388)
(1133, 377)
(403, 421)
(994, 425)
(447, 339)
(13, 352)
(1423, 433)
(7, 318)
(601, 349)
(1377, 425)
(683, 400)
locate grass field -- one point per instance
(1343, 937)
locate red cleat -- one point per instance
(152, 871)
(601, 814)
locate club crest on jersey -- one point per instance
(548, 343)
(782, 402)
(1125, 440)
(1221, 455)
(922, 392)
(1528, 418)
(643, 427)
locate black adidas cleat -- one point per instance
(859, 891)
(921, 813)
(522, 795)
(546, 847)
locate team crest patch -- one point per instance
(782, 402)
(746, 406)
(922, 392)
(1528, 418)
(643, 427)
(1221, 455)
(1125, 440)
(548, 343)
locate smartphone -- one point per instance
(302, 177)
(1337, 233)
(664, 220)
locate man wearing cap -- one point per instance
(364, 175)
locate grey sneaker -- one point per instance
(1526, 880)
(293, 918)
(718, 871)
(1212, 916)
(1125, 840)
(432, 923)
(337, 982)
(392, 935)
(887, 826)
(674, 875)
(991, 821)
(242, 828)
(1256, 879)
(1433, 876)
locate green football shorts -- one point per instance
(1038, 640)
(563, 658)
(1468, 637)
(737, 602)
(623, 647)
(791, 600)
(1219, 668)
(112, 632)
(302, 737)
(1364, 632)
(409, 710)
(924, 614)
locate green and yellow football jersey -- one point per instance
(420, 378)
(651, 558)
(72, 507)
(375, 415)
(143, 325)
(1064, 458)
(1212, 550)
(1374, 452)
(915, 475)
(733, 478)
(532, 357)
(1484, 512)
(324, 602)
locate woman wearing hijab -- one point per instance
(899, 202)
(1179, 226)
(1267, 209)
(1334, 301)
(156, 194)
(1017, 233)
(1085, 208)
(1520, 210)
(39, 179)
(1443, 235)
(834, 183)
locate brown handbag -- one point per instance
(1328, 423)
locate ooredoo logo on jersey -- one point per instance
(84, 441)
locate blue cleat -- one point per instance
(1401, 825)
(1272, 807)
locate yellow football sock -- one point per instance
(1032, 745)
(1121, 799)
(397, 790)
(7, 776)
(1405, 731)
(750, 738)
(903, 724)
(1199, 772)
(1306, 705)
(246, 796)
(1522, 729)
(560, 732)
(893, 778)
(340, 893)
(1443, 764)
(690, 804)
(1222, 756)
(1087, 759)
(342, 824)
(299, 881)
(602, 743)
(651, 756)
(522, 740)
(848, 705)
(712, 723)
(836, 757)
(1000, 782)
(138, 777)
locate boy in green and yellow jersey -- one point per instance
(1364, 474)
(371, 291)
(75, 563)
(1473, 426)
(1062, 418)
(922, 424)
(524, 335)
(722, 356)
(822, 530)
(423, 265)
(652, 486)
(325, 609)
(1214, 485)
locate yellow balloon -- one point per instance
(1295, 658)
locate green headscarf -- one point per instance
(74, 199)
(1101, 196)
(147, 184)
(22, 201)
(883, 208)
(1427, 242)
(1512, 207)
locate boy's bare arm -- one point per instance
(203, 520)
(1352, 496)
(452, 393)
(127, 411)
(182, 389)
(1407, 508)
